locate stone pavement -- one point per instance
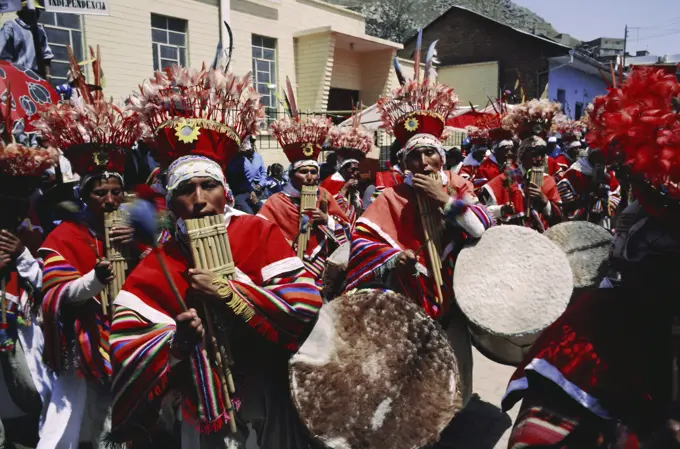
(482, 425)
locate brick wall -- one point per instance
(466, 38)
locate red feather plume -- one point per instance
(639, 122)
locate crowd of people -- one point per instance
(119, 326)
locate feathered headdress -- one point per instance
(419, 106)
(301, 138)
(638, 124)
(487, 128)
(203, 112)
(570, 130)
(532, 118)
(94, 134)
(352, 142)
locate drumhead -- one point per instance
(513, 282)
(587, 246)
(375, 372)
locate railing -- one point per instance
(383, 140)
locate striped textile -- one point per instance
(284, 211)
(391, 225)
(272, 292)
(73, 335)
(574, 187)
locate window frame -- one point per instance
(181, 57)
(259, 45)
(57, 79)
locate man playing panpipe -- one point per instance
(351, 144)
(510, 195)
(392, 243)
(95, 136)
(487, 131)
(308, 215)
(24, 381)
(178, 329)
(604, 374)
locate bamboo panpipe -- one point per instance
(534, 176)
(308, 196)
(117, 256)
(431, 220)
(211, 251)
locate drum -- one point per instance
(511, 284)
(587, 246)
(335, 273)
(375, 372)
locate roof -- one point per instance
(461, 8)
(581, 62)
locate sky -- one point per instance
(654, 24)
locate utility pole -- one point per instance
(625, 45)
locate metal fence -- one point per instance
(383, 140)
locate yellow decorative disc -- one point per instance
(308, 150)
(187, 132)
(100, 158)
(411, 124)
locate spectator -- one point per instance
(246, 175)
(274, 182)
(329, 167)
(16, 41)
(139, 166)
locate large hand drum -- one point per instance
(375, 372)
(587, 247)
(511, 284)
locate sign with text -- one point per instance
(92, 7)
(9, 6)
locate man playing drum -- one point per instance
(166, 328)
(602, 376)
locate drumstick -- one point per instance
(420, 250)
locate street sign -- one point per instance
(90, 7)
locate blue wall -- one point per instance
(577, 85)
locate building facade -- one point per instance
(467, 37)
(322, 48)
(575, 82)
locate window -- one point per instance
(264, 73)
(578, 110)
(169, 41)
(561, 96)
(63, 29)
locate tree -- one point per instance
(392, 19)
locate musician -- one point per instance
(329, 227)
(95, 137)
(589, 190)
(567, 157)
(351, 143)
(507, 194)
(391, 177)
(472, 162)
(262, 314)
(389, 236)
(495, 163)
(591, 379)
(25, 382)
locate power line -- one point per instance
(645, 38)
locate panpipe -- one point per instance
(211, 251)
(117, 255)
(431, 219)
(535, 176)
(308, 197)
